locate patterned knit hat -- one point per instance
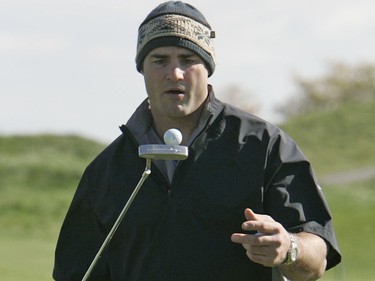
(175, 23)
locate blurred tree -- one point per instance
(242, 98)
(343, 83)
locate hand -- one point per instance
(270, 245)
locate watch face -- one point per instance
(293, 255)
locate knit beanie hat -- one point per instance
(175, 23)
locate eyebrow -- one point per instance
(156, 55)
(184, 55)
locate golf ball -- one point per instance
(172, 137)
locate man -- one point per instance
(243, 206)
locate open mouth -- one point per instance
(175, 92)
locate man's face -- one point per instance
(176, 82)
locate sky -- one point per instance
(67, 66)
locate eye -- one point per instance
(188, 61)
(159, 61)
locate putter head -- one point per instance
(163, 151)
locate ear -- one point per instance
(141, 70)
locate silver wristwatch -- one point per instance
(292, 253)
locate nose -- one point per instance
(175, 72)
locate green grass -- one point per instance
(337, 140)
(353, 210)
(38, 177)
(26, 258)
(39, 174)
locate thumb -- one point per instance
(250, 215)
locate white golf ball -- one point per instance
(172, 137)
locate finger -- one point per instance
(262, 227)
(248, 239)
(252, 216)
(261, 259)
(259, 254)
(241, 238)
(266, 255)
(256, 250)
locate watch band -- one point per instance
(292, 253)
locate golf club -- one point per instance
(169, 151)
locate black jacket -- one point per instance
(181, 231)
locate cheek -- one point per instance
(200, 87)
(151, 83)
(197, 77)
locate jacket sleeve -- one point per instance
(80, 238)
(293, 196)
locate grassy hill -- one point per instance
(337, 140)
(39, 174)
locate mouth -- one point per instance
(175, 91)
